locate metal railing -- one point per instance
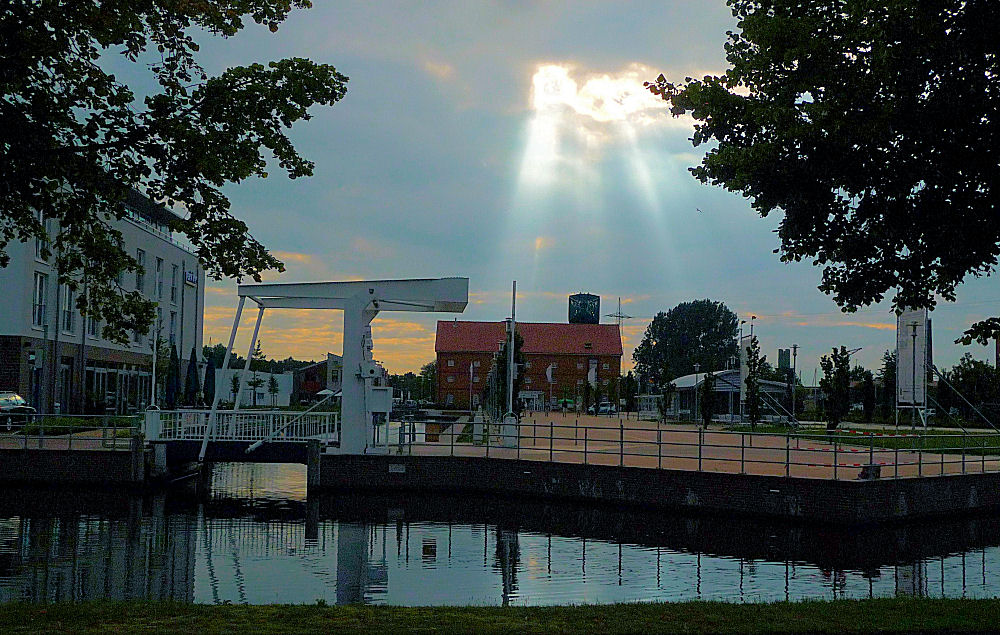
(846, 454)
(67, 432)
(241, 425)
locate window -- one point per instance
(527, 380)
(140, 273)
(173, 284)
(588, 345)
(159, 278)
(451, 362)
(92, 327)
(605, 366)
(476, 363)
(605, 382)
(38, 304)
(475, 379)
(527, 364)
(579, 365)
(137, 338)
(173, 328)
(555, 365)
(67, 309)
(579, 382)
(41, 242)
(451, 379)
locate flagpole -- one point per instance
(510, 352)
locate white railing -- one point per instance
(241, 425)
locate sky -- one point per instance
(509, 141)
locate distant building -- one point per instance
(784, 359)
(727, 390)
(309, 380)
(576, 352)
(263, 397)
(57, 360)
(584, 308)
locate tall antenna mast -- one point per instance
(619, 315)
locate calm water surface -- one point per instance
(257, 539)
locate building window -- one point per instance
(605, 382)
(38, 304)
(527, 380)
(173, 328)
(555, 365)
(41, 242)
(588, 345)
(159, 278)
(451, 362)
(451, 379)
(67, 309)
(579, 365)
(475, 379)
(527, 364)
(476, 363)
(173, 284)
(605, 366)
(137, 338)
(579, 382)
(92, 327)
(140, 273)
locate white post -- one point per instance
(509, 426)
(210, 427)
(355, 429)
(156, 341)
(246, 369)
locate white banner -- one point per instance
(911, 357)
(592, 373)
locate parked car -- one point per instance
(604, 408)
(14, 411)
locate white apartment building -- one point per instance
(58, 361)
(255, 396)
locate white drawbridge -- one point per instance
(360, 301)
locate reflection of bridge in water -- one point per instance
(233, 547)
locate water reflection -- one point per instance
(257, 539)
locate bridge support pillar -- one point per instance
(313, 456)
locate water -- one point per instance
(257, 539)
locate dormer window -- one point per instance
(588, 345)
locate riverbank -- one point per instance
(840, 616)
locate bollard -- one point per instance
(621, 445)
(788, 455)
(659, 449)
(743, 447)
(551, 436)
(836, 461)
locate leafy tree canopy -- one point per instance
(702, 332)
(873, 127)
(74, 137)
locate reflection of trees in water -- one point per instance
(75, 557)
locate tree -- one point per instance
(887, 378)
(666, 399)
(836, 385)
(234, 386)
(755, 365)
(868, 396)
(428, 378)
(629, 390)
(701, 331)
(208, 390)
(707, 399)
(76, 139)
(976, 380)
(872, 127)
(272, 389)
(191, 380)
(173, 388)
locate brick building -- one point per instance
(465, 352)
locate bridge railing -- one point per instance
(777, 451)
(241, 425)
(67, 432)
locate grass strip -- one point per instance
(840, 616)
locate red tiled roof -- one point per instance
(539, 337)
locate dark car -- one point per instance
(14, 411)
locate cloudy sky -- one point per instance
(513, 141)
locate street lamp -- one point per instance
(795, 354)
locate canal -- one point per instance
(258, 539)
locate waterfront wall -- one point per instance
(75, 467)
(827, 501)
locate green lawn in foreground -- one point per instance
(842, 616)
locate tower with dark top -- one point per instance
(584, 308)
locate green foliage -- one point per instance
(872, 127)
(835, 384)
(272, 389)
(978, 382)
(208, 390)
(868, 396)
(707, 398)
(667, 397)
(702, 332)
(755, 367)
(629, 390)
(173, 386)
(75, 138)
(191, 380)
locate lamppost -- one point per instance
(697, 367)
(795, 354)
